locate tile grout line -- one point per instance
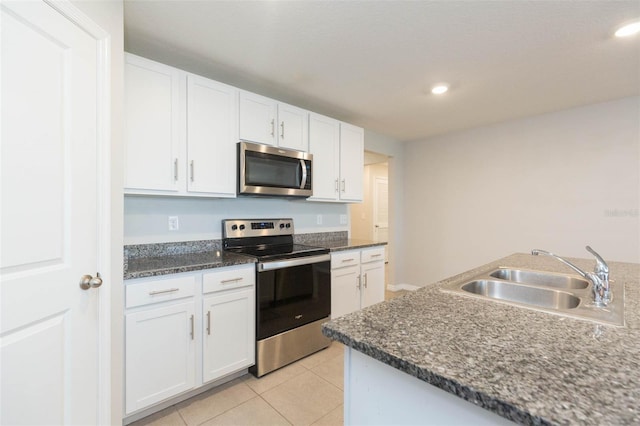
(276, 410)
(229, 409)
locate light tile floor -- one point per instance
(307, 392)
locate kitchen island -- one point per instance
(435, 357)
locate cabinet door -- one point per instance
(228, 333)
(152, 126)
(293, 127)
(345, 290)
(324, 144)
(212, 113)
(372, 283)
(351, 162)
(159, 354)
(257, 118)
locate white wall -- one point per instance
(557, 181)
(108, 14)
(146, 218)
(395, 150)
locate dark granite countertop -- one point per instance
(150, 266)
(527, 366)
(336, 241)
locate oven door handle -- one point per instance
(279, 264)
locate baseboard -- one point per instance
(398, 287)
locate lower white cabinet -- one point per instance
(357, 280)
(228, 342)
(160, 354)
(185, 330)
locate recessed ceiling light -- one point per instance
(439, 89)
(628, 30)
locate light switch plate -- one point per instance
(174, 224)
(343, 219)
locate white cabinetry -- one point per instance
(185, 330)
(180, 132)
(338, 159)
(228, 331)
(212, 114)
(160, 340)
(357, 280)
(152, 127)
(266, 121)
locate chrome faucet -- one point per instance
(599, 277)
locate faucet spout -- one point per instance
(601, 291)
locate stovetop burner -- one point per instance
(265, 239)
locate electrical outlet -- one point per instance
(174, 224)
(319, 219)
(343, 219)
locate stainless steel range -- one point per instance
(293, 290)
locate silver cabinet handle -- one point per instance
(365, 280)
(208, 322)
(175, 170)
(192, 327)
(351, 259)
(344, 185)
(376, 255)
(282, 125)
(273, 127)
(170, 290)
(231, 280)
(191, 165)
(337, 189)
(359, 283)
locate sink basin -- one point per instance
(541, 297)
(546, 279)
(565, 295)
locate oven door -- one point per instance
(291, 293)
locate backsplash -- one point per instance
(146, 218)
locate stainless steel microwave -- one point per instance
(269, 170)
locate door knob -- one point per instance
(87, 281)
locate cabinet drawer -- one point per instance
(145, 292)
(228, 278)
(345, 258)
(372, 254)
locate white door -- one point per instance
(372, 283)
(381, 211)
(345, 290)
(49, 326)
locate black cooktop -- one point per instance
(278, 251)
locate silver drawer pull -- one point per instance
(171, 290)
(376, 255)
(231, 280)
(348, 260)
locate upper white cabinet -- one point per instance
(338, 159)
(258, 119)
(212, 110)
(324, 144)
(266, 121)
(180, 132)
(351, 162)
(152, 126)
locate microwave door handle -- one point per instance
(303, 181)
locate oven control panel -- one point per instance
(240, 228)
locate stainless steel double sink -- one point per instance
(560, 294)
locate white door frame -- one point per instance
(103, 170)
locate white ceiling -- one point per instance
(372, 63)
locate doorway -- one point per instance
(370, 219)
